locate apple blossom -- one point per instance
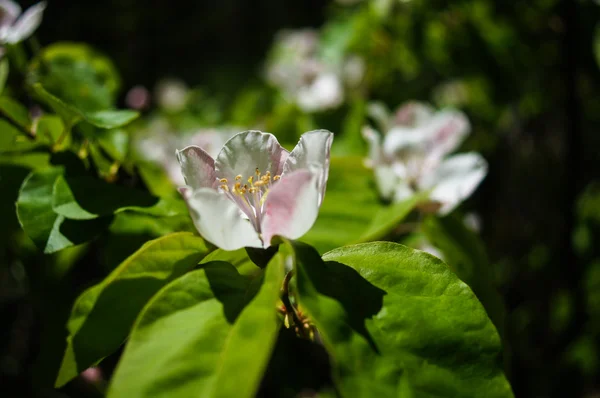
(255, 189)
(15, 25)
(300, 70)
(411, 154)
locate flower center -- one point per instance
(250, 194)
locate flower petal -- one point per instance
(9, 12)
(447, 129)
(325, 92)
(27, 23)
(312, 151)
(412, 114)
(402, 191)
(219, 220)
(197, 167)
(373, 139)
(386, 180)
(250, 150)
(455, 180)
(291, 207)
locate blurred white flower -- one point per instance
(171, 94)
(296, 67)
(159, 143)
(15, 25)
(411, 154)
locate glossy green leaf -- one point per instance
(50, 231)
(398, 322)
(49, 129)
(106, 119)
(103, 315)
(85, 198)
(16, 112)
(110, 119)
(465, 253)
(200, 333)
(351, 202)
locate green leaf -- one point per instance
(238, 258)
(16, 112)
(85, 198)
(103, 315)
(106, 119)
(350, 203)
(50, 231)
(77, 74)
(466, 255)
(398, 322)
(201, 332)
(115, 142)
(49, 128)
(110, 119)
(13, 140)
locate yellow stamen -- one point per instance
(223, 180)
(238, 177)
(225, 187)
(276, 178)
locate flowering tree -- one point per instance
(275, 267)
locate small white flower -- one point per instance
(255, 189)
(412, 154)
(16, 26)
(171, 94)
(315, 83)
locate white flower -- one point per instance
(315, 83)
(255, 189)
(171, 94)
(16, 26)
(411, 155)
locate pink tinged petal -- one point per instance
(313, 151)
(447, 130)
(403, 139)
(197, 167)
(27, 23)
(455, 180)
(291, 207)
(219, 220)
(413, 114)
(250, 150)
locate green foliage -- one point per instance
(91, 337)
(465, 254)
(202, 329)
(399, 323)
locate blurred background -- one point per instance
(525, 72)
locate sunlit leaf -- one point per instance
(103, 314)
(398, 322)
(200, 331)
